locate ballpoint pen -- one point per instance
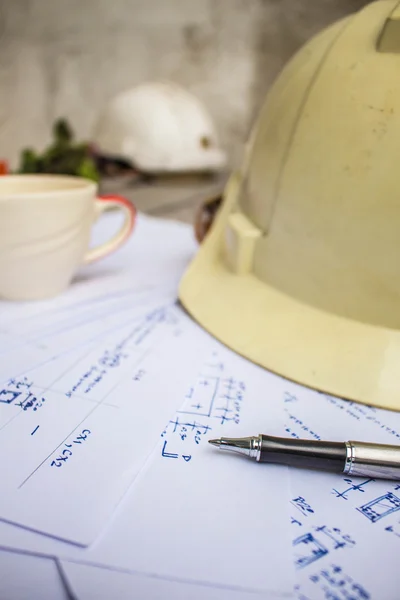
(351, 458)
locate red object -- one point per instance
(131, 221)
(122, 200)
(104, 203)
(4, 167)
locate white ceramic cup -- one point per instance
(45, 231)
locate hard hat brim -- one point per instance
(329, 353)
(212, 160)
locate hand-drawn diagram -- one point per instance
(354, 486)
(335, 584)
(59, 415)
(312, 546)
(18, 393)
(380, 507)
(365, 511)
(307, 549)
(216, 398)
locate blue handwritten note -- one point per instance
(73, 425)
(345, 530)
(189, 498)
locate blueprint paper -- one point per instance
(82, 348)
(80, 435)
(45, 337)
(24, 577)
(48, 346)
(190, 505)
(85, 580)
(346, 530)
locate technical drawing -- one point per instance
(354, 487)
(167, 454)
(380, 507)
(212, 400)
(14, 389)
(8, 396)
(307, 549)
(335, 537)
(202, 397)
(337, 585)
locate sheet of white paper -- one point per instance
(76, 430)
(82, 349)
(187, 506)
(346, 531)
(141, 275)
(192, 505)
(24, 577)
(85, 580)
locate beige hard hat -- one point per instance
(300, 270)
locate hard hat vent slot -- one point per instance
(241, 236)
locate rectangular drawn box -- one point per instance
(380, 507)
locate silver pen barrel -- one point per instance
(361, 459)
(378, 461)
(351, 458)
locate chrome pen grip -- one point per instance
(377, 461)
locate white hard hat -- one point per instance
(159, 127)
(300, 271)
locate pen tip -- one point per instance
(215, 442)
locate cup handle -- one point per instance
(109, 202)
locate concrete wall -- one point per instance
(67, 57)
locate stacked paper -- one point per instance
(108, 396)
